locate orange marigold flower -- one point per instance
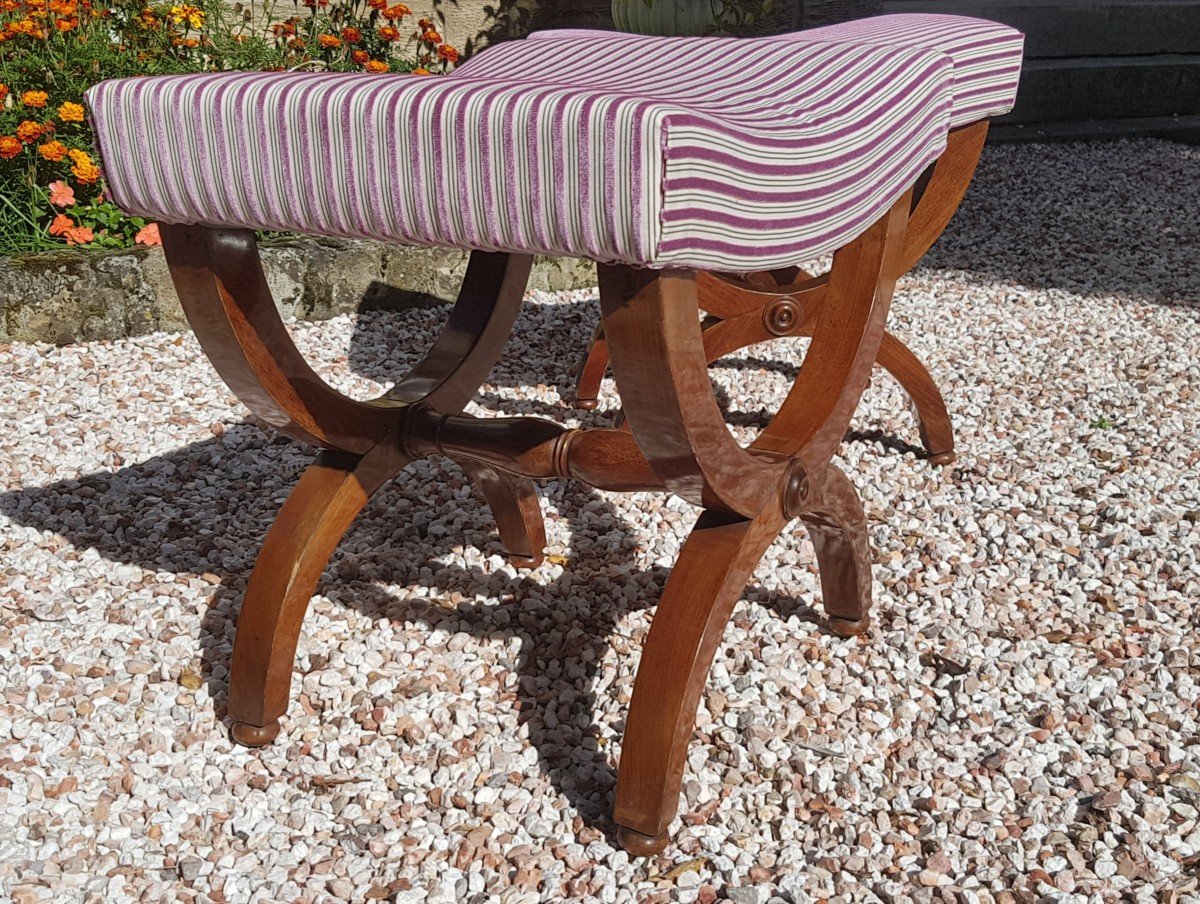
(431, 37)
(376, 66)
(396, 12)
(284, 29)
(388, 33)
(86, 173)
(29, 132)
(35, 98)
(65, 25)
(53, 151)
(185, 42)
(425, 24)
(80, 235)
(62, 7)
(351, 35)
(71, 112)
(296, 44)
(448, 53)
(26, 27)
(377, 4)
(9, 147)
(61, 194)
(3, 92)
(329, 41)
(61, 224)
(148, 235)
(359, 56)
(421, 70)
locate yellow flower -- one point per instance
(70, 112)
(185, 12)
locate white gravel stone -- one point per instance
(1022, 716)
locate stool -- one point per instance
(696, 180)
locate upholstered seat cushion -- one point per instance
(666, 152)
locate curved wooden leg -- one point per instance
(937, 433)
(516, 510)
(306, 532)
(837, 526)
(219, 278)
(717, 561)
(591, 372)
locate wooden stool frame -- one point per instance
(674, 439)
(748, 309)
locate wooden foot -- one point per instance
(638, 845)
(254, 735)
(591, 372)
(838, 528)
(937, 433)
(517, 512)
(844, 628)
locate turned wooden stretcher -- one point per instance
(673, 188)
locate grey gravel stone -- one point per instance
(455, 724)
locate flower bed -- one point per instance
(51, 51)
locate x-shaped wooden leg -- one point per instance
(762, 307)
(660, 358)
(220, 282)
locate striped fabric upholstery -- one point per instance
(986, 56)
(682, 152)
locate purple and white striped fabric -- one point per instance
(711, 153)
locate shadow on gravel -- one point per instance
(204, 509)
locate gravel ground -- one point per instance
(1021, 723)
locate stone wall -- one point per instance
(79, 296)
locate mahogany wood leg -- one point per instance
(224, 293)
(714, 566)
(306, 532)
(726, 337)
(937, 432)
(660, 363)
(837, 526)
(591, 372)
(516, 510)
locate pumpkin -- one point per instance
(666, 17)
